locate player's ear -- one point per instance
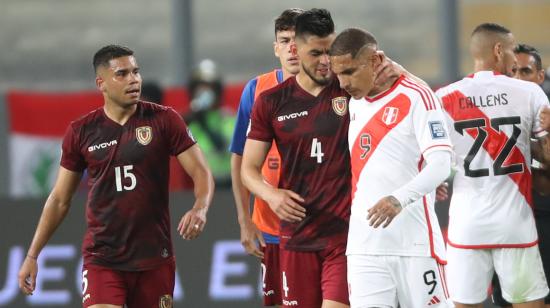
(99, 83)
(275, 49)
(497, 51)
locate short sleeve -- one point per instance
(261, 125)
(178, 134)
(243, 118)
(71, 156)
(430, 124)
(540, 101)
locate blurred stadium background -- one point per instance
(46, 79)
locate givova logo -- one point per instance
(101, 145)
(292, 116)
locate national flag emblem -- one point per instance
(144, 134)
(340, 105)
(390, 115)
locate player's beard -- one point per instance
(320, 81)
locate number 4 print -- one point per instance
(316, 150)
(285, 284)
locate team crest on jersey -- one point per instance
(340, 105)
(144, 134)
(390, 115)
(166, 301)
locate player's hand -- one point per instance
(27, 276)
(286, 205)
(545, 118)
(384, 211)
(442, 192)
(192, 223)
(386, 71)
(249, 235)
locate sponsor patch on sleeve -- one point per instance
(437, 129)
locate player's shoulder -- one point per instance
(91, 118)
(277, 93)
(418, 92)
(149, 109)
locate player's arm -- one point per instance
(55, 209)
(437, 169)
(248, 230)
(388, 70)
(284, 203)
(194, 163)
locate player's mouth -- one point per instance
(133, 92)
(324, 71)
(293, 61)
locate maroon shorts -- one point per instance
(311, 277)
(144, 289)
(271, 275)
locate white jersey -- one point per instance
(491, 118)
(388, 135)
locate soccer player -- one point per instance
(125, 148)
(307, 117)
(400, 152)
(264, 224)
(491, 225)
(529, 68)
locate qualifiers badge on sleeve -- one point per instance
(340, 105)
(144, 134)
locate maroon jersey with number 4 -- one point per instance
(127, 214)
(311, 135)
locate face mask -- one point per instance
(204, 99)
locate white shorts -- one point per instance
(392, 281)
(520, 271)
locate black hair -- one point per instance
(532, 51)
(316, 22)
(492, 28)
(287, 20)
(109, 52)
(351, 41)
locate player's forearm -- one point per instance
(437, 169)
(53, 214)
(203, 187)
(544, 149)
(240, 192)
(251, 176)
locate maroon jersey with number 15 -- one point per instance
(311, 135)
(127, 214)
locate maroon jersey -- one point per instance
(127, 214)
(311, 135)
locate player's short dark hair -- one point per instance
(351, 41)
(287, 20)
(108, 53)
(316, 22)
(532, 51)
(490, 28)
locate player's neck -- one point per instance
(484, 65)
(383, 87)
(286, 74)
(119, 113)
(309, 85)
